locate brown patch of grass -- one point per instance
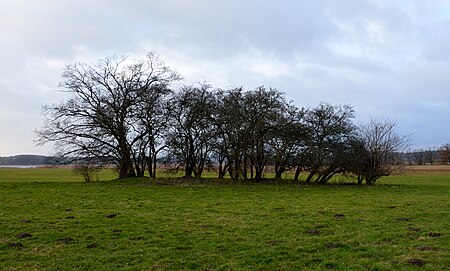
(313, 232)
(65, 240)
(413, 229)
(24, 235)
(93, 245)
(427, 248)
(331, 245)
(273, 242)
(417, 262)
(15, 245)
(320, 226)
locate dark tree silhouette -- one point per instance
(444, 153)
(109, 114)
(191, 134)
(265, 110)
(329, 130)
(231, 138)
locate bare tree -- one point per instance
(88, 169)
(287, 143)
(153, 119)
(419, 157)
(444, 153)
(103, 118)
(383, 146)
(430, 155)
(264, 112)
(231, 138)
(329, 129)
(191, 134)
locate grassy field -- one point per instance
(51, 220)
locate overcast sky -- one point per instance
(388, 59)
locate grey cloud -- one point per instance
(386, 58)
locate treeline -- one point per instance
(242, 133)
(126, 113)
(26, 159)
(430, 156)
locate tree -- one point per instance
(153, 119)
(419, 157)
(264, 114)
(444, 153)
(231, 140)
(429, 155)
(88, 169)
(287, 143)
(252, 126)
(329, 131)
(106, 117)
(191, 134)
(383, 146)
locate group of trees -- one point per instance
(126, 113)
(429, 156)
(444, 153)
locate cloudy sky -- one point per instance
(388, 59)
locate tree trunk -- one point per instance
(140, 168)
(188, 171)
(278, 174)
(360, 179)
(311, 175)
(298, 170)
(150, 167)
(126, 169)
(154, 168)
(258, 175)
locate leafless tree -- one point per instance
(419, 157)
(287, 142)
(383, 146)
(430, 155)
(109, 115)
(265, 110)
(329, 129)
(88, 169)
(232, 136)
(191, 134)
(256, 129)
(444, 153)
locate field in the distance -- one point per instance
(50, 220)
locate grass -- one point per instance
(43, 174)
(398, 224)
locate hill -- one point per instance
(26, 159)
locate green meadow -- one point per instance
(52, 220)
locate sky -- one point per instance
(387, 59)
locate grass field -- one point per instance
(51, 220)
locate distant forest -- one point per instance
(418, 157)
(20, 160)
